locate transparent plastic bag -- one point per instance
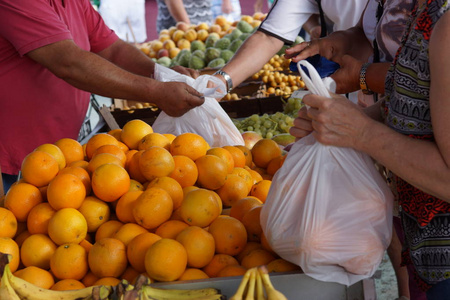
(328, 209)
(208, 120)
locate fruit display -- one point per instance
(134, 202)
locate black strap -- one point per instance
(376, 50)
(323, 24)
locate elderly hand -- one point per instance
(186, 71)
(347, 76)
(177, 98)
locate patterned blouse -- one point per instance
(198, 11)
(426, 219)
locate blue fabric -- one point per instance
(8, 180)
(439, 291)
(323, 66)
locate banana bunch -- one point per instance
(254, 282)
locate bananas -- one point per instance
(253, 283)
(150, 292)
(6, 290)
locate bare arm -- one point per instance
(312, 26)
(227, 8)
(177, 10)
(258, 5)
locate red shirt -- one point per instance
(36, 107)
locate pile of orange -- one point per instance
(132, 202)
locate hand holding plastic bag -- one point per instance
(208, 120)
(328, 209)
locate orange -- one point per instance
(249, 247)
(124, 207)
(128, 231)
(137, 248)
(135, 185)
(193, 274)
(234, 189)
(189, 144)
(275, 164)
(107, 281)
(261, 189)
(154, 139)
(169, 136)
(264, 151)
(257, 257)
(133, 167)
(247, 154)
(20, 238)
(37, 250)
(110, 182)
(130, 274)
(97, 141)
(9, 246)
(71, 149)
(79, 163)
(281, 265)
(108, 258)
(66, 226)
(21, 198)
(152, 208)
(242, 206)
(188, 189)
(69, 262)
(86, 244)
(21, 227)
(95, 211)
(166, 260)
(232, 270)
(124, 147)
(223, 154)
(133, 131)
(229, 234)
(218, 262)
(68, 285)
(36, 276)
(255, 175)
(199, 245)
(39, 168)
(170, 229)
(265, 244)
(8, 223)
(252, 223)
(185, 171)
(81, 173)
(54, 151)
(108, 229)
(115, 133)
(129, 155)
(156, 162)
(89, 279)
(114, 150)
(66, 190)
(101, 159)
(244, 174)
(212, 171)
(238, 156)
(199, 208)
(171, 186)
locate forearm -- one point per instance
(376, 76)
(312, 26)
(177, 11)
(374, 111)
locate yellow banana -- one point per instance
(251, 285)
(259, 287)
(6, 290)
(173, 294)
(272, 293)
(242, 286)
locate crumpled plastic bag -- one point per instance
(328, 209)
(208, 120)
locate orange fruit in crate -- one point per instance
(66, 190)
(89, 279)
(8, 224)
(242, 206)
(188, 144)
(108, 258)
(170, 229)
(129, 231)
(232, 270)
(54, 151)
(36, 276)
(95, 211)
(133, 167)
(108, 229)
(193, 274)
(199, 208)
(238, 156)
(114, 150)
(264, 151)
(185, 171)
(21, 198)
(135, 186)
(107, 281)
(101, 159)
(261, 189)
(133, 131)
(199, 245)
(66, 226)
(247, 154)
(137, 248)
(39, 168)
(97, 141)
(124, 207)
(252, 223)
(229, 234)
(9, 246)
(69, 262)
(281, 265)
(130, 274)
(154, 139)
(110, 182)
(81, 173)
(116, 133)
(71, 149)
(166, 260)
(249, 247)
(152, 208)
(217, 263)
(36, 250)
(170, 136)
(257, 257)
(234, 189)
(212, 171)
(156, 162)
(223, 154)
(244, 174)
(255, 175)
(68, 285)
(79, 164)
(188, 189)
(275, 164)
(171, 186)
(20, 238)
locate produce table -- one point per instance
(293, 285)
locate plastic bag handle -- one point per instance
(313, 82)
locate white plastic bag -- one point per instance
(208, 120)
(328, 209)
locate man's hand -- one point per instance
(347, 76)
(186, 71)
(177, 98)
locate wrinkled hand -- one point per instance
(302, 124)
(347, 76)
(327, 47)
(177, 98)
(186, 71)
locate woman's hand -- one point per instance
(302, 124)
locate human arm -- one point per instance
(258, 5)
(227, 8)
(177, 11)
(312, 26)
